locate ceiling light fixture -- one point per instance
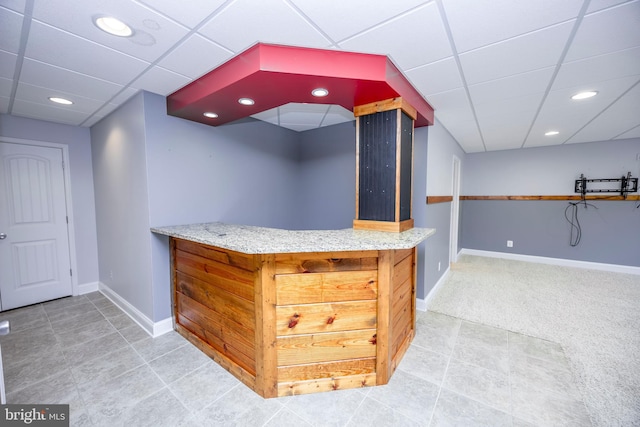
(59, 100)
(320, 92)
(584, 95)
(246, 101)
(210, 115)
(551, 133)
(113, 26)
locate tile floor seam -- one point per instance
(356, 410)
(444, 376)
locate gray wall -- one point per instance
(243, 173)
(609, 233)
(442, 148)
(122, 208)
(327, 178)
(81, 173)
(153, 170)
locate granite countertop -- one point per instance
(261, 240)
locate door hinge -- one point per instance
(70, 272)
(67, 219)
(63, 165)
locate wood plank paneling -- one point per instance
(265, 303)
(234, 343)
(326, 384)
(326, 317)
(326, 262)
(300, 349)
(340, 368)
(232, 279)
(385, 276)
(309, 288)
(224, 256)
(224, 304)
(236, 370)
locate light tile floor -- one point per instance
(85, 352)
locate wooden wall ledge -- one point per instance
(443, 199)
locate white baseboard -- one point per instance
(614, 268)
(155, 329)
(87, 288)
(423, 304)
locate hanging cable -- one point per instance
(575, 235)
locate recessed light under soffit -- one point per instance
(246, 101)
(320, 92)
(210, 115)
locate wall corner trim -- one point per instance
(154, 329)
(613, 268)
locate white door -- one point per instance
(34, 247)
(455, 210)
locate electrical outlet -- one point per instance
(111, 274)
(438, 265)
(509, 243)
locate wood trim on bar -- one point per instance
(571, 197)
(439, 199)
(394, 227)
(386, 105)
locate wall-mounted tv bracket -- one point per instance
(627, 185)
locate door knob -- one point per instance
(3, 236)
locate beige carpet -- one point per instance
(594, 315)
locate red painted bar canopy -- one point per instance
(275, 75)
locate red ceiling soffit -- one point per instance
(275, 75)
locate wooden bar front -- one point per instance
(296, 323)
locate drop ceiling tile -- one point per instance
(466, 134)
(160, 81)
(439, 76)
(153, 33)
(91, 121)
(598, 68)
(568, 117)
(271, 116)
(341, 19)
(298, 127)
(306, 114)
(506, 131)
(422, 25)
(37, 94)
(17, 5)
(106, 109)
(81, 55)
(533, 51)
(46, 112)
(10, 30)
(195, 57)
(7, 64)
(189, 13)
(453, 105)
(244, 22)
(519, 85)
(633, 133)
(620, 117)
(607, 31)
(596, 5)
(56, 78)
(476, 23)
(337, 114)
(504, 109)
(5, 87)
(4, 105)
(123, 96)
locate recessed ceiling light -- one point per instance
(113, 26)
(210, 115)
(320, 92)
(584, 95)
(246, 101)
(59, 100)
(551, 133)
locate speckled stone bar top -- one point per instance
(260, 240)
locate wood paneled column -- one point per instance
(384, 165)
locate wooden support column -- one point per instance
(384, 165)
